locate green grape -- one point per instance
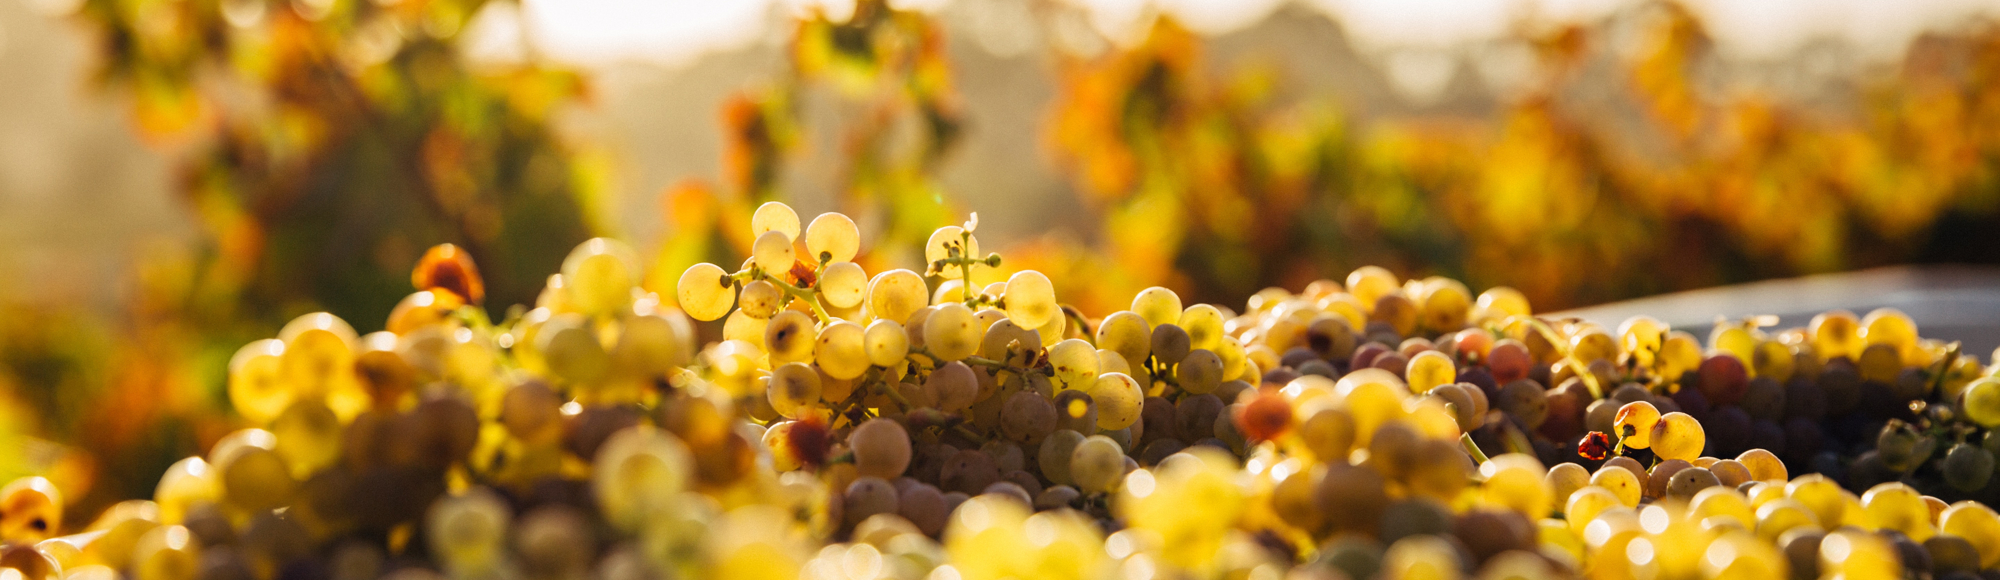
(1982, 402)
(794, 390)
(1031, 299)
(881, 448)
(1199, 372)
(951, 333)
(468, 533)
(1097, 464)
(775, 216)
(790, 337)
(1126, 332)
(1429, 369)
(1967, 467)
(253, 476)
(257, 387)
(896, 294)
(843, 284)
(842, 350)
(639, 474)
(1157, 306)
(760, 299)
(319, 353)
(1203, 324)
(1075, 364)
(943, 244)
(705, 292)
(568, 344)
(887, 344)
(1056, 454)
(772, 252)
(598, 276)
(1119, 401)
(833, 238)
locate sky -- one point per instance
(595, 32)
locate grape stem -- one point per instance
(1478, 457)
(809, 295)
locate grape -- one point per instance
(843, 284)
(740, 326)
(832, 238)
(1967, 467)
(868, 496)
(794, 390)
(954, 385)
(1352, 498)
(886, 342)
(1525, 400)
(1396, 311)
(31, 509)
(760, 299)
(638, 472)
(1981, 402)
(790, 337)
(1731, 473)
(841, 350)
(1677, 436)
(1446, 305)
(554, 542)
(1370, 283)
(1111, 362)
(1621, 483)
(951, 333)
(319, 351)
(1199, 372)
(924, 506)
(881, 448)
(1723, 379)
(1203, 324)
(706, 293)
(1031, 299)
(945, 243)
(1593, 345)
(896, 294)
(1170, 343)
(1055, 455)
(1430, 369)
(257, 387)
(569, 345)
(308, 437)
(1509, 361)
(1685, 483)
(1728, 429)
(1128, 333)
(1978, 525)
(1076, 411)
(1075, 363)
(1007, 341)
(598, 276)
(1097, 464)
(774, 216)
(1764, 399)
(468, 532)
(1835, 334)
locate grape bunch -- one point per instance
(958, 423)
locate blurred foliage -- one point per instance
(883, 75)
(1203, 182)
(321, 147)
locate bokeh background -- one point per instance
(179, 177)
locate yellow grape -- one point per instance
(1733, 339)
(1678, 436)
(319, 352)
(187, 483)
(31, 510)
(1679, 354)
(598, 276)
(1587, 503)
(1592, 346)
(1642, 336)
(639, 474)
(887, 343)
(1564, 480)
(1722, 501)
(775, 216)
(1778, 516)
(257, 387)
(842, 350)
(1836, 334)
(1982, 402)
(1370, 283)
(1157, 306)
(833, 238)
(1446, 304)
(1429, 369)
(794, 390)
(1203, 324)
(1763, 465)
(1126, 332)
(843, 284)
(1821, 495)
(944, 243)
(742, 326)
(1119, 401)
(772, 252)
(896, 294)
(705, 291)
(166, 553)
(1076, 364)
(951, 333)
(1634, 424)
(1620, 482)
(1894, 328)
(1899, 507)
(1031, 299)
(1852, 553)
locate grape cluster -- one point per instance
(923, 425)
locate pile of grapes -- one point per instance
(918, 425)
